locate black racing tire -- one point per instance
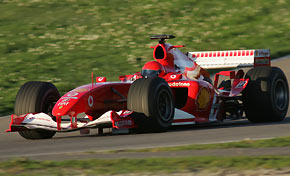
(152, 99)
(35, 97)
(266, 97)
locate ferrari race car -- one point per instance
(174, 89)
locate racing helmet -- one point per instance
(152, 69)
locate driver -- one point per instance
(152, 69)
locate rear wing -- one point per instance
(231, 58)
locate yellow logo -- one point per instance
(203, 99)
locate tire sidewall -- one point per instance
(144, 98)
(33, 98)
(161, 89)
(259, 97)
(276, 78)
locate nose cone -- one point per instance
(66, 103)
(72, 102)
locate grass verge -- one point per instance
(126, 166)
(247, 143)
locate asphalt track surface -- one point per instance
(71, 145)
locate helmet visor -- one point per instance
(150, 73)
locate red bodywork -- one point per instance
(199, 99)
(93, 99)
(194, 96)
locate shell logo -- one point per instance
(203, 99)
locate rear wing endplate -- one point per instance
(231, 58)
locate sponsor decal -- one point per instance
(90, 101)
(178, 84)
(64, 100)
(63, 103)
(262, 53)
(173, 76)
(71, 95)
(241, 84)
(101, 79)
(262, 61)
(133, 78)
(203, 99)
(126, 113)
(69, 98)
(38, 118)
(123, 123)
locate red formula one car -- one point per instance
(175, 89)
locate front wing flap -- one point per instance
(45, 122)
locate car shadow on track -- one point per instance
(196, 127)
(227, 124)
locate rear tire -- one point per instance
(35, 97)
(152, 100)
(266, 97)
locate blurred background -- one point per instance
(63, 41)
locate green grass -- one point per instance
(248, 143)
(152, 165)
(238, 164)
(64, 41)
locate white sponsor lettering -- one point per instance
(73, 94)
(177, 84)
(126, 112)
(64, 100)
(63, 103)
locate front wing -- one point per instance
(117, 120)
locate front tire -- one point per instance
(266, 97)
(153, 99)
(35, 97)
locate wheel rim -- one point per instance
(49, 104)
(280, 94)
(164, 105)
